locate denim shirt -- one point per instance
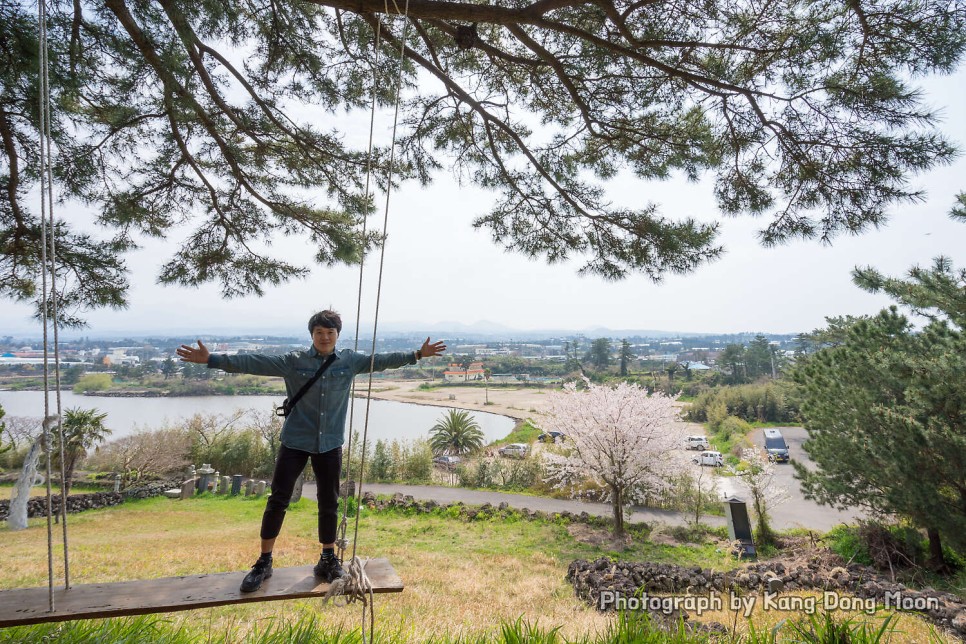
(317, 424)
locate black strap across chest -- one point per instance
(289, 404)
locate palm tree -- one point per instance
(83, 428)
(456, 433)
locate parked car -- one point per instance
(696, 442)
(551, 437)
(709, 457)
(776, 446)
(514, 450)
(447, 462)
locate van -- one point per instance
(709, 457)
(696, 442)
(514, 450)
(776, 446)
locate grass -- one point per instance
(466, 581)
(523, 432)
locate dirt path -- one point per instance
(516, 402)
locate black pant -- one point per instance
(288, 466)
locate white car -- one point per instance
(696, 442)
(709, 457)
(514, 450)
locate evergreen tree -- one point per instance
(626, 356)
(803, 112)
(886, 409)
(599, 353)
(758, 357)
(732, 359)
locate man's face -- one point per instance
(323, 339)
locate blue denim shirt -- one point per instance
(317, 424)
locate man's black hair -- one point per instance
(328, 319)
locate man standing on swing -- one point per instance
(314, 427)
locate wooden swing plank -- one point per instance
(23, 606)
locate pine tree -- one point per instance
(886, 408)
(802, 112)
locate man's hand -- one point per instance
(429, 350)
(190, 354)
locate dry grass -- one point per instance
(460, 578)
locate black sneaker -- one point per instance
(329, 569)
(261, 571)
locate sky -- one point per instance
(439, 270)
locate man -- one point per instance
(313, 431)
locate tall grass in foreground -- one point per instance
(627, 628)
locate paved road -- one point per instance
(442, 494)
(796, 512)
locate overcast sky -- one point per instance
(439, 269)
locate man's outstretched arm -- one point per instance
(258, 365)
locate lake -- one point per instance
(387, 419)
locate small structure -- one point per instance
(206, 474)
(739, 525)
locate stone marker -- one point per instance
(117, 482)
(187, 489)
(206, 473)
(260, 488)
(236, 482)
(249, 487)
(348, 488)
(225, 485)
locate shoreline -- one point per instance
(518, 403)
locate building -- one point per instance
(456, 373)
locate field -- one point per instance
(463, 578)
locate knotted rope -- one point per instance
(355, 586)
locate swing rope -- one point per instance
(356, 585)
(341, 542)
(48, 265)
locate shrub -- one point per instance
(93, 382)
(775, 402)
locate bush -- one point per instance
(515, 474)
(773, 402)
(93, 382)
(399, 462)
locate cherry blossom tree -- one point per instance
(620, 439)
(757, 473)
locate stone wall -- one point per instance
(37, 506)
(149, 489)
(629, 578)
(485, 511)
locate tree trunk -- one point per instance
(936, 559)
(617, 497)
